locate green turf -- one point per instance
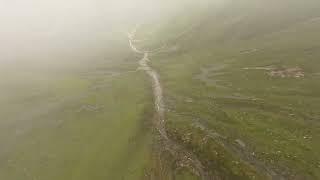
(276, 118)
(83, 123)
(91, 118)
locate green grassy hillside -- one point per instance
(84, 119)
(242, 86)
(240, 83)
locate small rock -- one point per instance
(241, 143)
(236, 162)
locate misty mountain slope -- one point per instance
(78, 115)
(161, 90)
(241, 86)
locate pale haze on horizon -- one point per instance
(32, 28)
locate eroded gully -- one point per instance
(184, 157)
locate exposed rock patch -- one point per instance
(295, 72)
(91, 108)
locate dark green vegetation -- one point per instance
(242, 86)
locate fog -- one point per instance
(58, 30)
(42, 30)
